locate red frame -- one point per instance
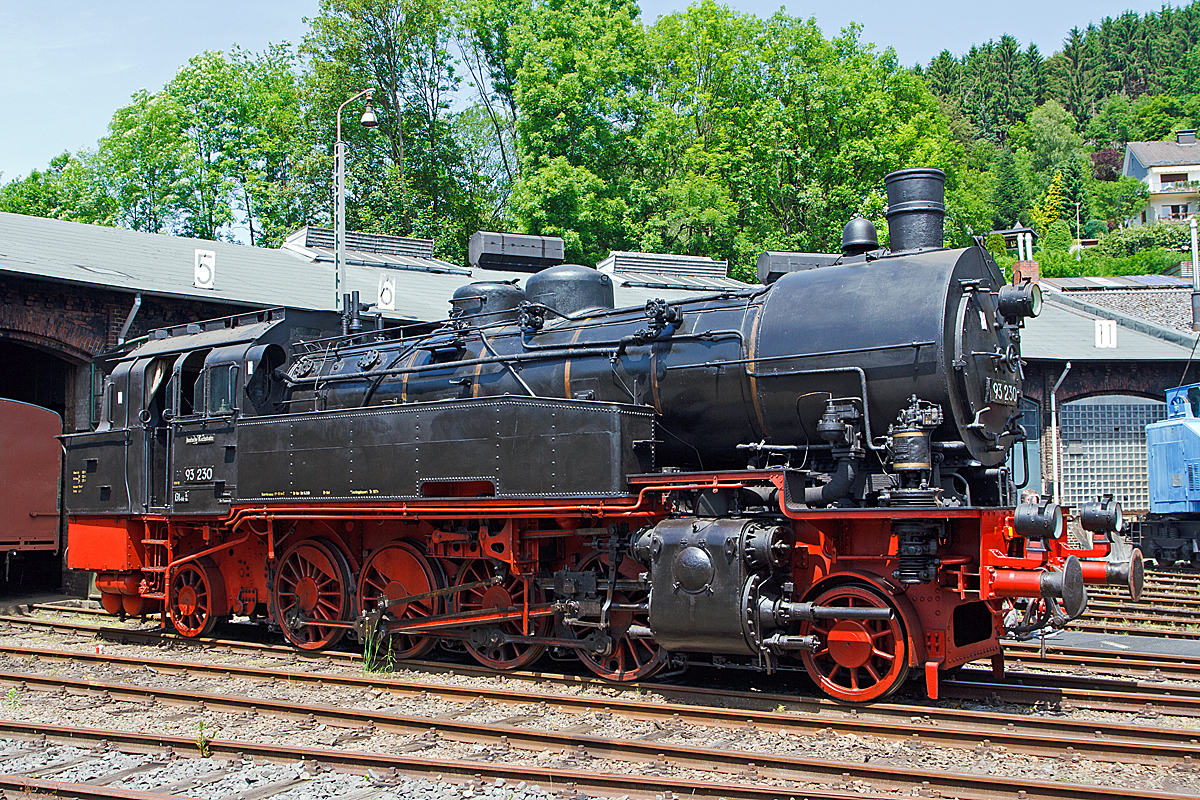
(984, 561)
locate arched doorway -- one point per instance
(41, 377)
(35, 376)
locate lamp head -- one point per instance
(368, 119)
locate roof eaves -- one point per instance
(1125, 320)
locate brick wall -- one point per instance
(78, 322)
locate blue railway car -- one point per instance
(1171, 531)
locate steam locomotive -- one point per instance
(807, 475)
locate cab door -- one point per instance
(150, 378)
(203, 466)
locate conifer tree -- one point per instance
(1074, 191)
(1009, 197)
(1049, 210)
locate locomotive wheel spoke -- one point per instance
(509, 594)
(857, 660)
(194, 587)
(313, 583)
(630, 659)
(401, 570)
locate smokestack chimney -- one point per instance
(916, 207)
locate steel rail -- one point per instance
(1161, 668)
(948, 727)
(760, 768)
(78, 791)
(1092, 693)
(1088, 626)
(1122, 694)
(1179, 666)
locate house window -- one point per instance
(1143, 217)
(1173, 177)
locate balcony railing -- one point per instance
(1179, 186)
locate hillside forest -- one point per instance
(709, 132)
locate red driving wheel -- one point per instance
(312, 585)
(629, 659)
(401, 570)
(486, 648)
(197, 597)
(857, 660)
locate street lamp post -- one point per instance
(368, 120)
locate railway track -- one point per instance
(1092, 690)
(727, 767)
(1022, 656)
(796, 716)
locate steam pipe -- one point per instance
(837, 487)
(137, 303)
(1054, 427)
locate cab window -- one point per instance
(222, 380)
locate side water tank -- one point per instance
(571, 289)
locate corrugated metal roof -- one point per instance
(162, 265)
(1115, 282)
(1165, 154)
(1066, 330)
(255, 277)
(657, 280)
(310, 236)
(620, 262)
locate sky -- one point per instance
(65, 66)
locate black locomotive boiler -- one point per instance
(804, 475)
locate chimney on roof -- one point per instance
(1185, 137)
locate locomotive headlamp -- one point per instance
(1102, 516)
(1023, 300)
(1038, 521)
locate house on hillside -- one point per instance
(1171, 171)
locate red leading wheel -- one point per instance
(629, 659)
(401, 570)
(857, 660)
(312, 584)
(486, 644)
(197, 597)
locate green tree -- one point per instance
(1159, 116)
(1057, 238)
(579, 67)
(1117, 201)
(1074, 74)
(1076, 205)
(1114, 124)
(943, 74)
(145, 161)
(68, 189)
(1010, 198)
(407, 176)
(486, 27)
(1049, 210)
(204, 90)
(1046, 141)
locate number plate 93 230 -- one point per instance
(1002, 392)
